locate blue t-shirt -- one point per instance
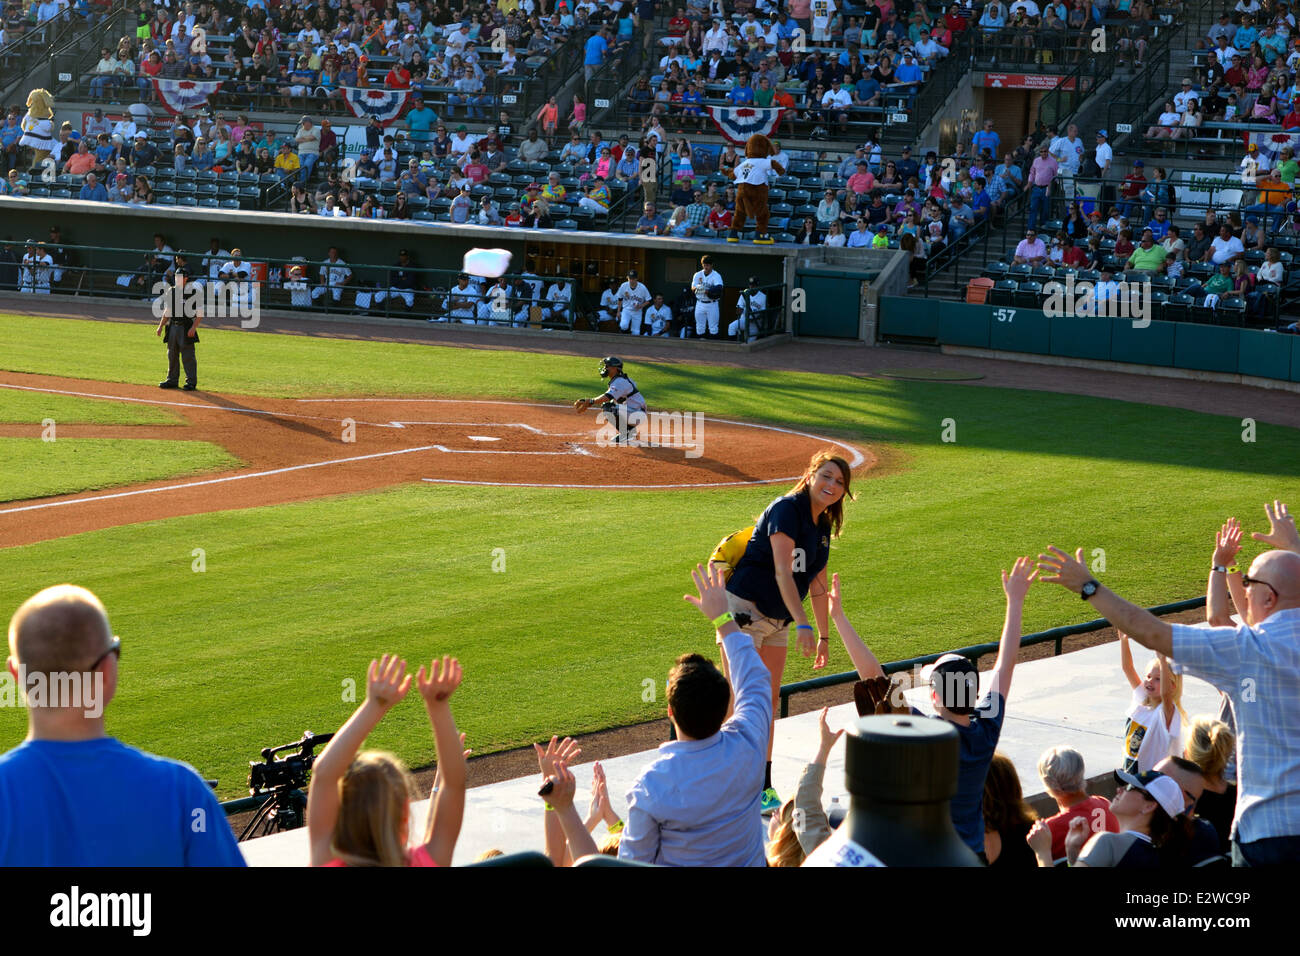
(421, 122)
(96, 193)
(102, 803)
(982, 141)
(596, 47)
(754, 578)
(867, 88)
(978, 741)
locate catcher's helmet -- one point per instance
(607, 363)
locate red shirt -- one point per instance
(955, 23)
(476, 172)
(1292, 120)
(677, 26)
(720, 220)
(1088, 809)
(1074, 256)
(398, 78)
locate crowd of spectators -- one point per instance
(1225, 789)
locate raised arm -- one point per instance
(783, 563)
(563, 788)
(556, 847)
(1139, 623)
(1282, 532)
(864, 662)
(386, 684)
(1227, 544)
(1126, 661)
(447, 805)
(1016, 585)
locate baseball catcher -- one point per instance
(621, 402)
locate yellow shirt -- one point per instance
(288, 162)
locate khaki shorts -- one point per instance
(766, 631)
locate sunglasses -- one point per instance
(115, 649)
(1247, 581)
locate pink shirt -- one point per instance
(415, 856)
(862, 182)
(1031, 250)
(1043, 171)
(580, 112)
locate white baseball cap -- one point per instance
(1162, 789)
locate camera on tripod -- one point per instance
(287, 773)
(282, 782)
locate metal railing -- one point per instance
(36, 48)
(1056, 636)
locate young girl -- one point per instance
(358, 807)
(1155, 718)
(549, 115)
(578, 118)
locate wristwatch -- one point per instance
(1089, 589)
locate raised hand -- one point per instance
(828, 736)
(564, 786)
(441, 682)
(1281, 529)
(387, 681)
(566, 750)
(1016, 584)
(712, 601)
(1080, 833)
(1057, 567)
(836, 597)
(1039, 839)
(1227, 543)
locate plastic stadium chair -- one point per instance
(250, 192)
(187, 201)
(230, 204)
(1027, 295)
(785, 237)
(1043, 273)
(60, 193)
(1052, 227)
(205, 176)
(228, 191)
(165, 199)
(189, 173)
(994, 270)
(1003, 292)
(782, 209)
(1019, 271)
(567, 224)
(778, 224)
(423, 215)
(208, 190)
(1088, 275)
(788, 182)
(806, 212)
(209, 202)
(776, 195)
(798, 197)
(1177, 308)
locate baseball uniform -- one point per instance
(707, 310)
(749, 307)
(334, 274)
(632, 301)
(658, 318)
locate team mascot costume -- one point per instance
(751, 188)
(38, 125)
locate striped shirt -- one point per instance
(1259, 669)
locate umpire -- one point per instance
(181, 312)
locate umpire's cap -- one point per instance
(610, 362)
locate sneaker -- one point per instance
(733, 236)
(167, 385)
(189, 387)
(770, 801)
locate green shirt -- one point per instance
(1148, 259)
(764, 97)
(1219, 283)
(1288, 169)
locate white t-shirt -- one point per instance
(1029, 6)
(1068, 153)
(1225, 249)
(633, 299)
(235, 270)
(214, 261)
(758, 301)
(559, 294)
(1147, 740)
(754, 171)
(336, 272)
(700, 281)
(822, 12)
(463, 302)
(1105, 155)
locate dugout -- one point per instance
(836, 288)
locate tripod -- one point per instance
(284, 809)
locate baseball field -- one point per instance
(254, 553)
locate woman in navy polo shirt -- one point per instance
(786, 556)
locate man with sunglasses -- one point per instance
(70, 795)
(1256, 665)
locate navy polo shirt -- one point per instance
(754, 578)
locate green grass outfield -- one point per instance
(295, 599)
(34, 468)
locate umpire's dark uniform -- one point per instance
(180, 309)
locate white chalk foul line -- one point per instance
(199, 405)
(497, 451)
(216, 481)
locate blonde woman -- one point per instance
(767, 589)
(358, 808)
(1155, 717)
(835, 235)
(1212, 746)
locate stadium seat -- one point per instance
(209, 202)
(230, 204)
(187, 173)
(1177, 307)
(781, 209)
(1052, 227)
(1019, 271)
(185, 188)
(776, 195)
(228, 191)
(778, 224)
(38, 191)
(250, 192)
(567, 224)
(203, 190)
(798, 196)
(205, 176)
(424, 215)
(1043, 273)
(60, 193)
(165, 199)
(1003, 292)
(247, 179)
(186, 201)
(1162, 283)
(806, 212)
(1088, 275)
(787, 182)
(1027, 295)
(994, 270)
(785, 237)
(802, 167)
(499, 179)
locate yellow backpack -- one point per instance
(731, 549)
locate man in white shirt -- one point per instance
(234, 275)
(458, 39)
(707, 286)
(823, 19)
(334, 276)
(212, 263)
(633, 297)
(36, 267)
(1029, 6)
(658, 316)
(715, 38)
(1224, 247)
(750, 308)
(461, 302)
(1224, 51)
(461, 144)
(558, 297)
(1187, 93)
(1105, 155)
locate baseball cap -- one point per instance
(462, 128)
(1162, 789)
(1102, 133)
(1251, 148)
(1138, 163)
(956, 681)
(142, 135)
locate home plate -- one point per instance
(482, 438)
